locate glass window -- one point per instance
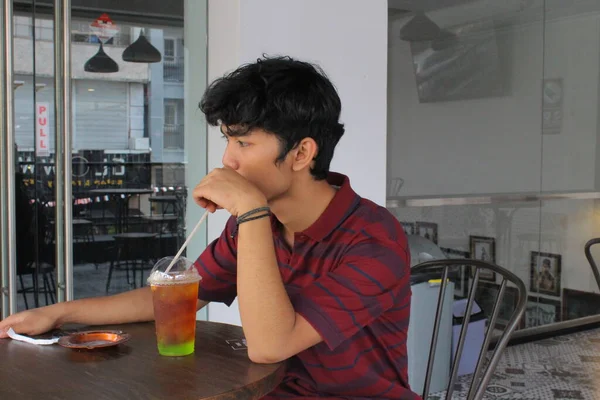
(129, 156)
(169, 49)
(493, 143)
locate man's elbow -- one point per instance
(264, 356)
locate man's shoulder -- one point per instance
(374, 219)
(372, 223)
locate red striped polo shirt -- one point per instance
(348, 274)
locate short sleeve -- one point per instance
(217, 265)
(371, 278)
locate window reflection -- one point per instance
(494, 108)
(128, 154)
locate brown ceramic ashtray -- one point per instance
(93, 339)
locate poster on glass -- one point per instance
(408, 227)
(545, 273)
(483, 248)
(429, 230)
(541, 311)
(461, 280)
(579, 304)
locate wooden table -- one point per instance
(122, 196)
(135, 370)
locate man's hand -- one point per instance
(31, 322)
(225, 188)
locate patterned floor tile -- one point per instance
(560, 368)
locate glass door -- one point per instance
(101, 181)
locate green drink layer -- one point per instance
(176, 350)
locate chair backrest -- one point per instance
(34, 232)
(483, 372)
(588, 255)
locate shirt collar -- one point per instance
(343, 204)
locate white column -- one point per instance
(195, 59)
(348, 39)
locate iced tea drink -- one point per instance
(175, 296)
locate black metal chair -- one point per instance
(135, 250)
(590, 258)
(34, 262)
(483, 372)
(49, 285)
(169, 224)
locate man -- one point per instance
(321, 275)
(546, 280)
(484, 255)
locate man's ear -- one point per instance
(304, 154)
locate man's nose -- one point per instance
(229, 160)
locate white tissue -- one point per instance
(43, 342)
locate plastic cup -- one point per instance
(175, 296)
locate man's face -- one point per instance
(253, 156)
(546, 267)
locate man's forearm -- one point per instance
(132, 306)
(267, 314)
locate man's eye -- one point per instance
(242, 144)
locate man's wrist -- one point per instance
(251, 205)
(59, 313)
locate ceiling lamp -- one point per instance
(141, 51)
(101, 63)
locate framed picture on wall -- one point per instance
(486, 295)
(409, 227)
(483, 248)
(429, 230)
(545, 273)
(578, 304)
(541, 311)
(461, 283)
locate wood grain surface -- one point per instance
(135, 370)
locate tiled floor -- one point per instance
(560, 368)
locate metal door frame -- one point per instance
(7, 165)
(63, 123)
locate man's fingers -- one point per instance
(207, 204)
(4, 327)
(202, 201)
(199, 196)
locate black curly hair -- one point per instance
(288, 98)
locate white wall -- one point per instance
(348, 39)
(195, 77)
(492, 145)
(572, 52)
(223, 56)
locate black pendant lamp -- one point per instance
(141, 51)
(421, 29)
(101, 63)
